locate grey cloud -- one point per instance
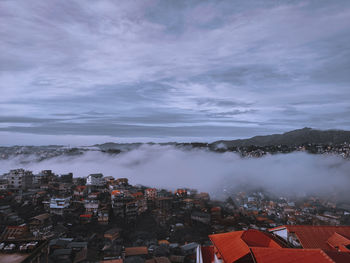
(221, 102)
(19, 119)
(232, 113)
(149, 131)
(158, 62)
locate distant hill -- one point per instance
(296, 137)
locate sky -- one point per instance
(87, 71)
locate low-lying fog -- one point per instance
(171, 168)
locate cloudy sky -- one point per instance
(93, 71)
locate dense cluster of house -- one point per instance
(46, 217)
(342, 150)
(97, 218)
(261, 211)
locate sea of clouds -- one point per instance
(217, 173)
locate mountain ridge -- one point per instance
(294, 137)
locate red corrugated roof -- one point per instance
(289, 255)
(255, 238)
(230, 245)
(338, 257)
(235, 245)
(339, 242)
(317, 236)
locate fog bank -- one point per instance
(171, 168)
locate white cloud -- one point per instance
(171, 168)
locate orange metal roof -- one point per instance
(230, 245)
(235, 245)
(339, 242)
(289, 255)
(316, 236)
(255, 238)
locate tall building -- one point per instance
(19, 179)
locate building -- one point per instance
(91, 206)
(151, 193)
(164, 203)
(131, 210)
(318, 245)
(40, 225)
(80, 191)
(333, 238)
(112, 234)
(59, 205)
(122, 182)
(119, 199)
(103, 216)
(95, 180)
(66, 178)
(236, 246)
(15, 232)
(19, 179)
(3, 184)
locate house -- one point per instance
(131, 210)
(164, 203)
(151, 193)
(91, 206)
(236, 246)
(318, 244)
(40, 223)
(181, 193)
(15, 232)
(66, 178)
(109, 179)
(95, 180)
(331, 238)
(103, 216)
(79, 191)
(59, 205)
(112, 234)
(122, 182)
(3, 184)
(19, 179)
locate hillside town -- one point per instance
(47, 217)
(28, 154)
